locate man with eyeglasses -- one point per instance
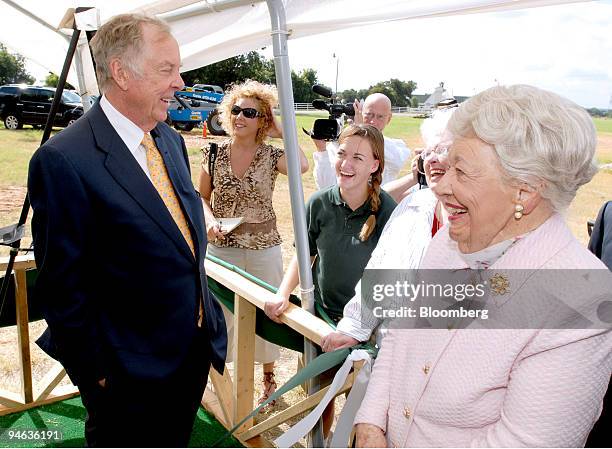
(376, 111)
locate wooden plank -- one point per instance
(244, 360)
(309, 403)
(295, 317)
(23, 335)
(10, 399)
(60, 394)
(52, 379)
(24, 262)
(306, 323)
(257, 441)
(224, 389)
(211, 403)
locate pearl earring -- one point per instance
(518, 211)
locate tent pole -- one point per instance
(296, 192)
(84, 64)
(25, 209)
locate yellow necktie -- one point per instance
(161, 181)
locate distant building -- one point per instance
(438, 95)
(429, 101)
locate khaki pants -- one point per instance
(265, 264)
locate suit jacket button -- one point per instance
(427, 368)
(407, 412)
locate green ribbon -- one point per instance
(316, 367)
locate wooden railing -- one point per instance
(232, 399)
(47, 390)
(231, 410)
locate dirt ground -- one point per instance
(11, 198)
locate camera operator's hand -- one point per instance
(415, 162)
(320, 144)
(358, 106)
(275, 131)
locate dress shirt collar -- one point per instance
(129, 132)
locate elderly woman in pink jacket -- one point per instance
(518, 157)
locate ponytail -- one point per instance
(374, 196)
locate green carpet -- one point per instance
(68, 417)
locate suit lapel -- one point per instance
(124, 168)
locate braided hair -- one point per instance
(377, 143)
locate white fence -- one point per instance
(396, 110)
(304, 107)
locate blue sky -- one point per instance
(565, 48)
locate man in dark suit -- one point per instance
(120, 242)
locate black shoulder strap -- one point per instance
(212, 157)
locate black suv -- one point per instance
(29, 105)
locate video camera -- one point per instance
(329, 128)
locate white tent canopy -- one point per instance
(210, 31)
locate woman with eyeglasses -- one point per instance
(244, 175)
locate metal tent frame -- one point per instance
(279, 33)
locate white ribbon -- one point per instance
(298, 431)
(343, 430)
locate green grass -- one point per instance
(68, 417)
(401, 127)
(16, 149)
(603, 125)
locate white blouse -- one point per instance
(402, 245)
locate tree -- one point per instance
(350, 95)
(233, 70)
(52, 80)
(251, 66)
(403, 90)
(302, 85)
(414, 102)
(399, 92)
(12, 68)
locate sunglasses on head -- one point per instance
(247, 112)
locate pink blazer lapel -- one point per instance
(537, 247)
(531, 252)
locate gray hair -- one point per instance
(538, 136)
(121, 37)
(433, 128)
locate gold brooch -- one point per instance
(499, 284)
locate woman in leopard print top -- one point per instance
(242, 185)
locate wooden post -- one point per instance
(244, 360)
(224, 390)
(23, 335)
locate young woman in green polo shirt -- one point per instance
(344, 222)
